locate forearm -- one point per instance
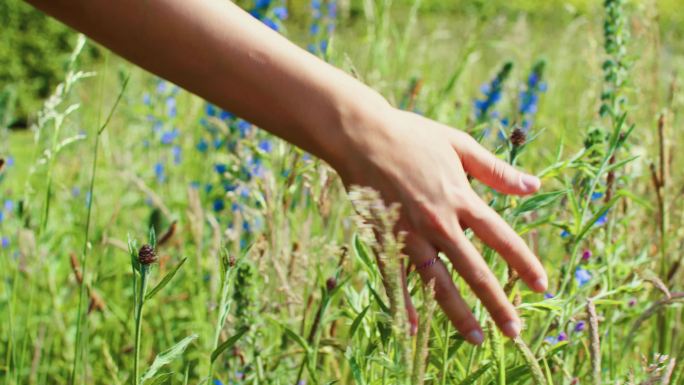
(221, 53)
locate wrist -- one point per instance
(355, 121)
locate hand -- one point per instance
(422, 165)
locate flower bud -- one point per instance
(147, 255)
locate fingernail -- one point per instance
(475, 337)
(511, 328)
(530, 182)
(540, 284)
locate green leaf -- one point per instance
(476, 374)
(538, 201)
(160, 378)
(357, 321)
(165, 357)
(375, 294)
(230, 342)
(362, 253)
(297, 338)
(356, 371)
(167, 278)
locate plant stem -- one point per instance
(144, 272)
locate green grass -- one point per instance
(297, 294)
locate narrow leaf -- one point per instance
(167, 278)
(165, 357)
(230, 342)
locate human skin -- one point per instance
(221, 53)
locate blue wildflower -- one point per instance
(596, 196)
(159, 172)
(10, 161)
(266, 145)
(202, 146)
(244, 127)
(147, 100)
(5, 243)
(564, 234)
(220, 168)
(2, 216)
(225, 115)
(270, 24)
(161, 86)
(217, 382)
(529, 97)
(548, 296)
(582, 276)
(280, 13)
(171, 107)
(580, 326)
(9, 205)
(75, 192)
(262, 4)
(603, 219)
(176, 151)
(492, 93)
(562, 337)
(218, 205)
(211, 110)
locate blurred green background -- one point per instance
(34, 48)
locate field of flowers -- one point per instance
(148, 237)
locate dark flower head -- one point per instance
(331, 283)
(147, 255)
(518, 137)
(586, 255)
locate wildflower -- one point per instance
(266, 145)
(596, 196)
(217, 382)
(5, 242)
(492, 93)
(244, 127)
(529, 97)
(9, 205)
(548, 295)
(147, 255)
(270, 24)
(171, 107)
(10, 161)
(220, 168)
(562, 337)
(225, 115)
(580, 326)
(210, 110)
(582, 276)
(176, 151)
(564, 234)
(161, 86)
(331, 283)
(602, 220)
(147, 100)
(75, 192)
(586, 255)
(280, 13)
(518, 137)
(159, 172)
(632, 302)
(218, 205)
(169, 136)
(202, 146)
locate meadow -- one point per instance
(148, 237)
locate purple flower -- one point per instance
(548, 295)
(169, 136)
(602, 220)
(586, 255)
(580, 326)
(9, 205)
(280, 13)
(632, 302)
(562, 337)
(5, 243)
(582, 276)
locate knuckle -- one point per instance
(480, 280)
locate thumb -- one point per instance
(492, 171)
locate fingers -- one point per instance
(492, 171)
(446, 294)
(494, 231)
(470, 265)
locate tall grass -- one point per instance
(264, 272)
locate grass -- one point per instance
(266, 275)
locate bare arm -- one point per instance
(218, 51)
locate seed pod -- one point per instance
(518, 137)
(147, 255)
